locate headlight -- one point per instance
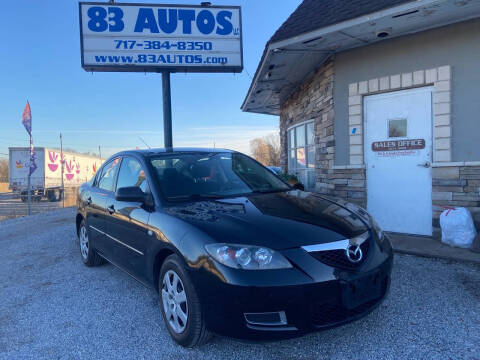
(247, 257)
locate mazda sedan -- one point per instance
(230, 248)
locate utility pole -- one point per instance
(99, 152)
(167, 110)
(62, 194)
(29, 195)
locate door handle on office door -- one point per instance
(426, 164)
(111, 209)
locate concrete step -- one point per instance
(428, 247)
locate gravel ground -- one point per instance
(52, 306)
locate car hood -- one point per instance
(275, 220)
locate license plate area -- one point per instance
(361, 290)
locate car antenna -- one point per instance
(144, 142)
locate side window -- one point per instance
(301, 153)
(132, 174)
(107, 178)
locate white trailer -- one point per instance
(46, 180)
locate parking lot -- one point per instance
(52, 306)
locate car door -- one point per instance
(127, 221)
(102, 191)
(95, 208)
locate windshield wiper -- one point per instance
(196, 197)
(268, 191)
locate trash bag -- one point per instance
(457, 227)
(476, 244)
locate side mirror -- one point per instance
(130, 194)
(299, 186)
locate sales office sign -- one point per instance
(395, 148)
(153, 38)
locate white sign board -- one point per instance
(152, 38)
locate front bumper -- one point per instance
(308, 305)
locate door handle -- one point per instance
(111, 209)
(89, 200)
(426, 164)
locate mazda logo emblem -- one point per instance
(354, 253)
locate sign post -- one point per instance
(62, 193)
(167, 110)
(122, 37)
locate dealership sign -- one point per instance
(153, 38)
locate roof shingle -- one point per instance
(316, 14)
(312, 15)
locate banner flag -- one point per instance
(27, 122)
(27, 119)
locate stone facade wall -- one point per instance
(314, 101)
(348, 183)
(456, 186)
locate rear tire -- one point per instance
(179, 300)
(52, 195)
(60, 195)
(89, 256)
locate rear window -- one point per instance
(107, 179)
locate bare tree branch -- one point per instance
(3, 168)
(266, 150)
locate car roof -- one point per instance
(180, 150)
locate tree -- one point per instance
(3, 169)
(266, 150)
(274, 147)
(88, 153)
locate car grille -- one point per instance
(332, 313)
(338, 258)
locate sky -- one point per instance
(40, 62)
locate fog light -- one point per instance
(267, 318)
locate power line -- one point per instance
(250, 76)
(148, 146)
(51, 144)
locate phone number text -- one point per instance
(163, 45)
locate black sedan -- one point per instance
(230, 248)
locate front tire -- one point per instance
(181, 308)
(89, 256)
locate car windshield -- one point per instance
(192, 176)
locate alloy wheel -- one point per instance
(84, 242)
(174, 301)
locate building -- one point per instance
(379, 104)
